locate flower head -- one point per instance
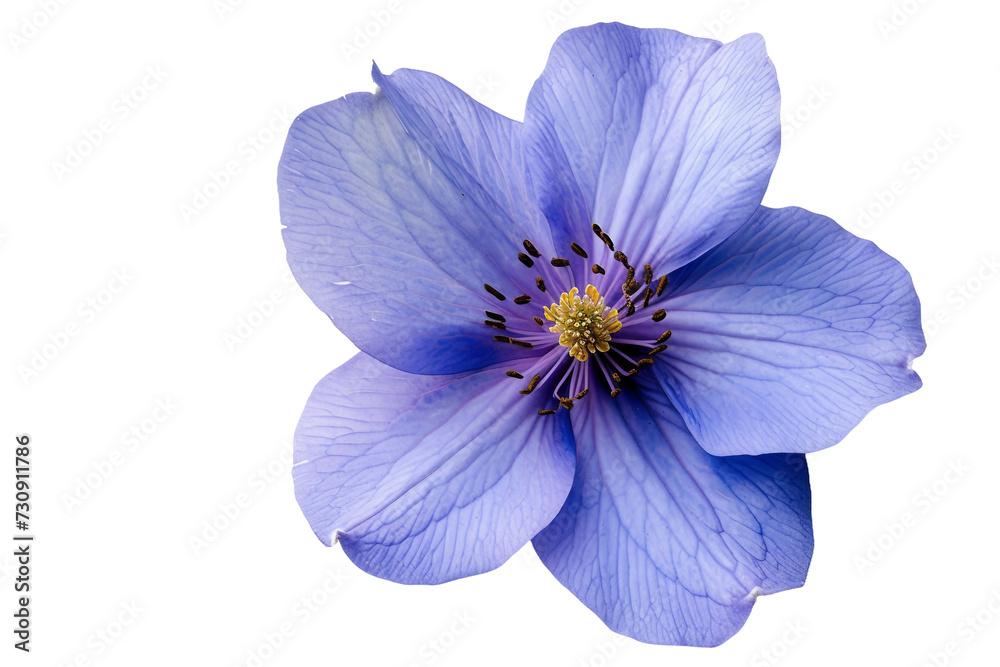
(583, 331)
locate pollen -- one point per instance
(584, 324)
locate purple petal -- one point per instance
(786, 335)
(391, 246)
(666, 141)
(424, 479)
(664, 542)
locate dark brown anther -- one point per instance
(566, 403)
(634, 371)
(495, 316)
(581, 394)
(615, 392)
(515, 374)
(597, 229)
(597, 268)
(662, 285)
(616, 377)
(559, 261)
(539, 321)
(621, 257)
(540, 283)
(632, 287)
(523, 299)
(531, 385)
(630, 311)
(502, 339)
(527, 261)
(630, 276)
(531, 249)
(496, 325)
(659, 315)
(649, 274)
(644, 362)
(656, 350)
(546, 412)
(521, 343)
(646, 297)
(578, 250)
(664, 336)
(492, 290)
(607, 241)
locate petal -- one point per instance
(428, 478)
(666, 141)
(387, 244)
(786, 335)
(664, 542)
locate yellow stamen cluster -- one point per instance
(585, 324)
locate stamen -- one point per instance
(656, 350)
(523, 299)
(495, 316)
(539, 321)
(615, 391)
(649, 274)
(559, 261)
(546, 412)
(502, 339)
(531, 249)
(646, 297)
(540, 283)
(492, 290)
(566, 403)
(527, 261)
(659, 315)
(597, 268)
(578, 250)
(607, 241)
(496, 325)
(617, 377)
(597, 228)
(515, 374)
(660, 286)
(531, 385)
(522, 343)
(631, 287)
(664, 336)
(630, 276)
(621, 257)
(645, 362)
(581, 394)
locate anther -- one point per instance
(521, 343)
(634, 371)
(630, 311)
(615, 391)
(607, 241)
(495, 316)
(631, 288)
(539, 321)
(597, 229)
(527, 261)
(515, 374)
(578, 250)
(492, 290)
(531, 249)
(659, 315)
(559, 261)
(621, 257)
(630, 276)
(649, 274)
(656, 350)
(644, 362)
(566, 403)
(546, 412)
(523, 299)
(581, 394)
(502, 339)
(616, 377)
(664, 336)
(531, 385)
(540, 283)
(496, 325)
(660, 286)
(646, 297)
(597, 268)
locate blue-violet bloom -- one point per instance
(583, 331)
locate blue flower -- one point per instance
(583, 331)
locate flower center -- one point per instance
(584, 324)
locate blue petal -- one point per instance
(666, 141)
(664, 542)
(393, 247)
(786, 335)
(428, 478)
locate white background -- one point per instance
(859, 103)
